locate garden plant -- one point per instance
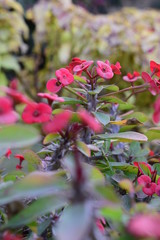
(87, 163)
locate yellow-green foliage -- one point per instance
(64, 30)
(12, 28)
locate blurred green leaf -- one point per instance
(124, 136)
(18, 136)
(102, 117)
(83, 148)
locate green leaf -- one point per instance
(153, 133)
(124, 136)
(102, 117)
(83, 148)
(124, 167)
(13, 176)
(114, 213)
(35, 184)
(18, 136)
(112, 99)
(113, 88)
(50, 138)
(72, 101)
(75, 222)
(9, 62)
(33, 160)
(138, 115)
(36, 209)
(108, 193)
(79, 79)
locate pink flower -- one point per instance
(53, 85)
(51, 97)
(14, 84)
(90, 121)
(21, 159)
(115, 67)
(131, 77)
(155, 68)
(100, 224)
(153, 88)
(64, 76)
(7, 115)
(156, 114)
(157, 190)
(75, 61)
(8, 153)
(17, 97)
(104, 70)
(138, 164)
(36, 113)
(145, 226)
(58, 123)
(7, 235)
(148, 186)
(83, 66)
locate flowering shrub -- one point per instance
(80, 167)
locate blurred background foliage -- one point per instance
(44, 37)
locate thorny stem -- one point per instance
(125, 90)
(72, 91)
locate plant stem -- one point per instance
(125, 90)
(72, 91)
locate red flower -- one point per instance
(89, 120)
(145, 226)
(17, 97)
(138, 164)
(8, 153)
(83, 66)
(7, 115)
(104, 70)
(75, 61)
(151, 153)
(36, 113)
(155, 68)
(64, 76)
(115, 67)
(156, 114)
(58, 123)
(53, 85)
(14, 84)
(148, 186)
(153, 88)
(9, 236)
(21, 159)
(51, 97)
(131, 77)
(100, 224)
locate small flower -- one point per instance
(145, 226)
(7, 115)
(148, 187)
(58, 123)
(156, 114)
(131, 77)
(115, 67)
(83, 66)
(51, 97)
(90, 121)
(64, 76)
(75, 61)
(21, 159)
(14, 84)
(7, 235)
(104, 70)
(100, 224)
(53, 85)
(157, 190)
(153, 88)
(8, 153)
(155, 68)
(36, 113)
(17, 97)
